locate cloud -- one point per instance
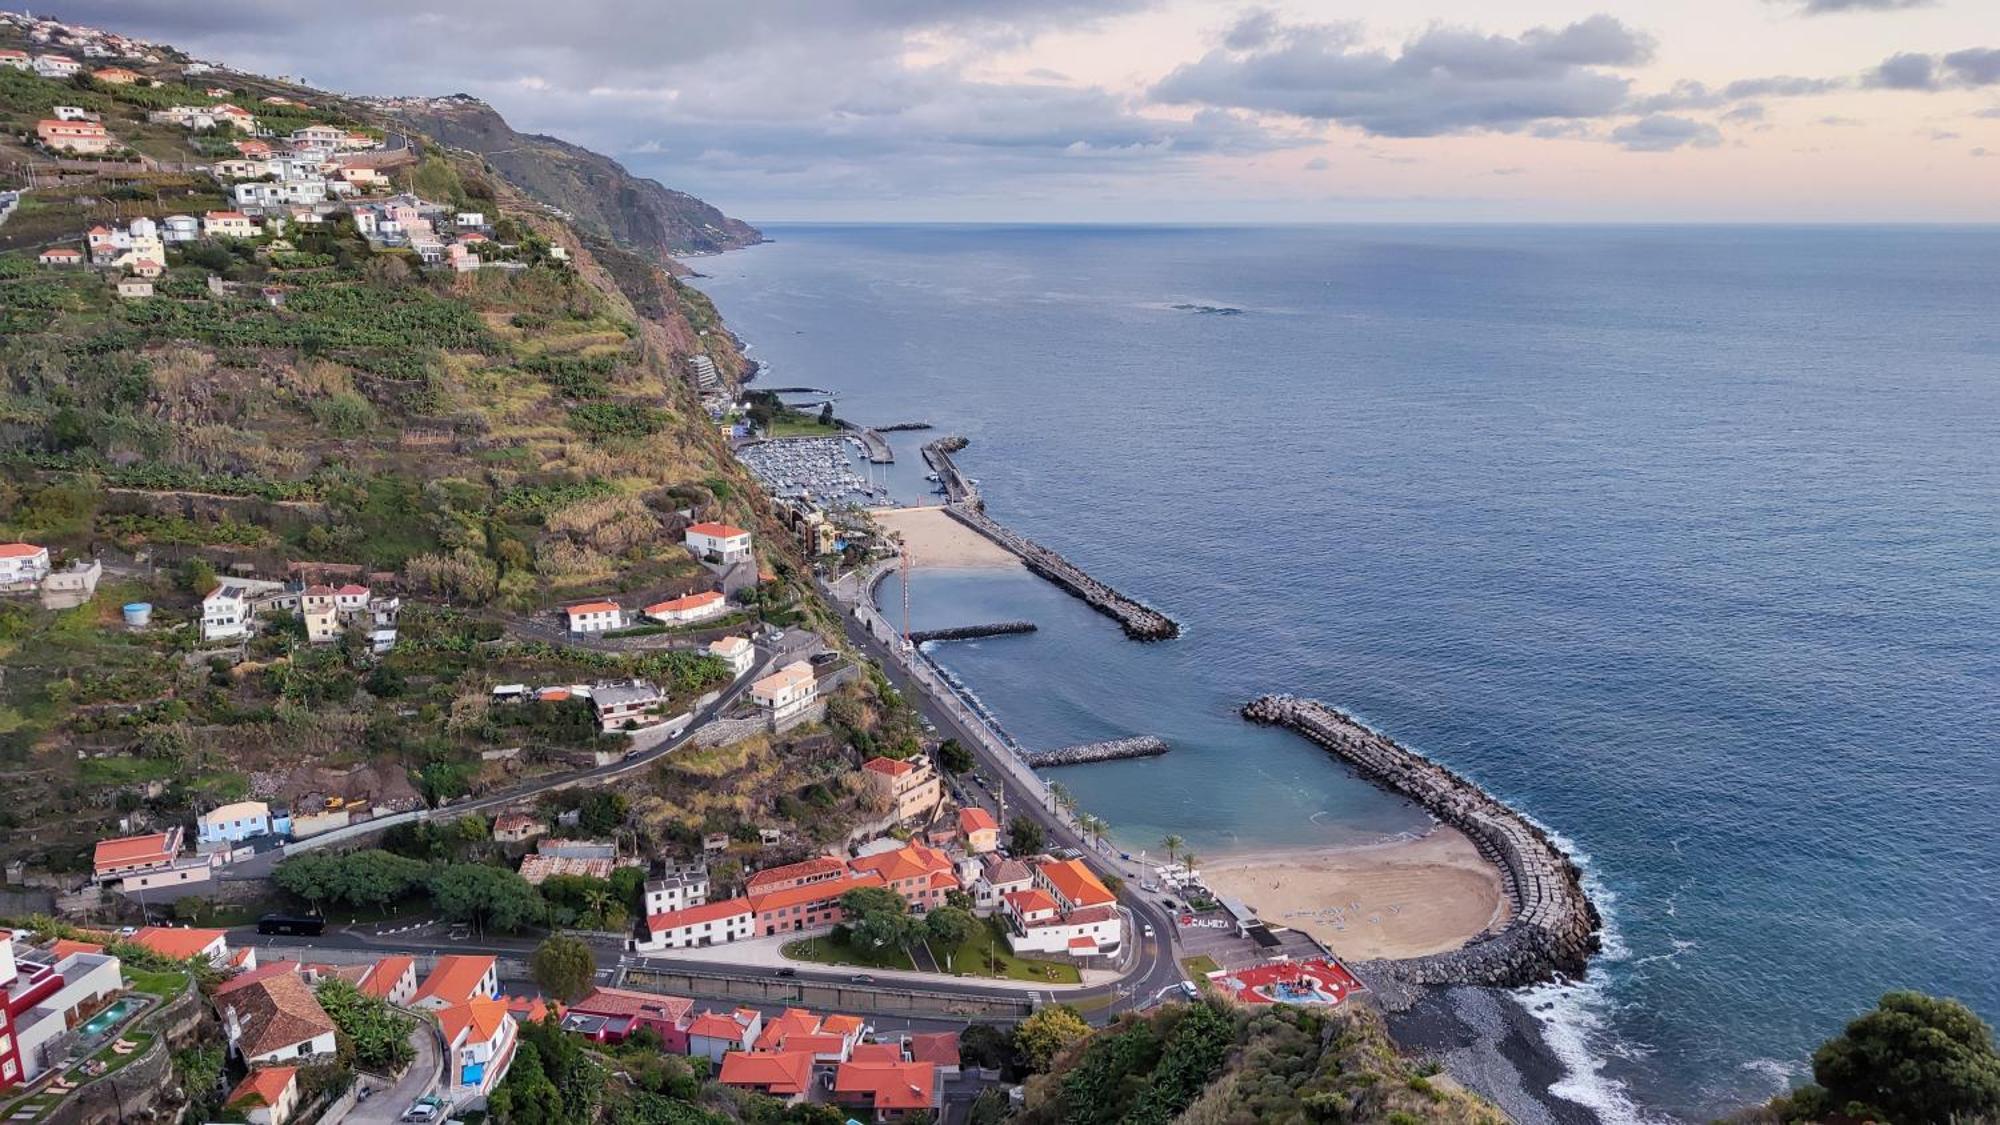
(1981, 151)
(1748, 112)
(1699, 95)
(1970, 68)
(1824, 7)
(1446, 80)
(1663, 132)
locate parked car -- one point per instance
(1189, 990)
(422, 1111)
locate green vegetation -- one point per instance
(564, 968)
(1211, 1063)
(1047, 1033)
(1914, 1059)
(372, 1035)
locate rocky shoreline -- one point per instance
(1553, 927)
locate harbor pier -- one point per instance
(1112, 750)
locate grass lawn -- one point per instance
(1198, 968)
(985, 954)
(162, 983)
(112, 1060)
(825, 950)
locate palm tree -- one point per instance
(1188, 861)
(1173, 844)
(596, 902)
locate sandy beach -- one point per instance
(1405, 898)
(937, 540)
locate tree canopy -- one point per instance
(1915, 1059)
(564, 967)
(494, 897)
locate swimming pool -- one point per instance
(108, 1018)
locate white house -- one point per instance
(594, 617)
(719, 542)
(274, 1018)
(227, 224)
(22, 565)
(458, 978)
(677, 890)
(480, 1037)
(737, 652)
(787, 692)
(231, 823)
(262, 193)
(180, 228)
(693, 607)
(56, 66)
(225, 613)
(267, 1096)
(1068, 910)
(621, 706)
(712, 1035)
(708, 923)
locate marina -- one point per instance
(826, 471)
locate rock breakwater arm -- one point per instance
(1141, 623)
(1144, 746)
(1553, 928)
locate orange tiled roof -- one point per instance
(481, 1016)
(266, 1085)
(1031, 900)
(715, 1025)
(817, 865)
(1075, 882)
(888, 1086)
(383, 977)
(718, 530)
(691, 601)
(975, 819)
(455, 979)
(876, 1052)
(131, 849)
(175, 942)
(939, 1047)
(910, 861)
(812, 892)
(592, 607)
(887, 766)
(785, 1073)
(692, 915)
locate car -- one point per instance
(861, 978)
(460, 931)
(127, 931)
(1149, 929)
(786, 972)
(1189, 990)
(422, 1111)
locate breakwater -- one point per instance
(958, 488)
(972, 632)
(1141, 622)
(900, 427)
(1144, 746)
(1552, 928)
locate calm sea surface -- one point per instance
(1685, 541)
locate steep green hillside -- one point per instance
(1214, 1064)
(593, 191)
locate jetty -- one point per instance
(963, 503)
(1144, 746)
(1141, 622)
(958, 488)
(899, 427)
(873, 442)
(1553, 927)
(972, 632)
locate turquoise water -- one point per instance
(108, 1018)
(1685, 541)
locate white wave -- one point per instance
(1574, 1014)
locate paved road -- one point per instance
(1157, 971)
(385, 1105)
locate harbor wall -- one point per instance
(971, 632)
(1553, 927)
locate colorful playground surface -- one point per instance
(1320, 981)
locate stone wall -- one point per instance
(1553, 927)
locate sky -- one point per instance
(1156, 110)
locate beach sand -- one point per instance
(1415, 897)
(937, 540)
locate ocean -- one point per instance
(1686, 541)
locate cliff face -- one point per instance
(594, 191)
